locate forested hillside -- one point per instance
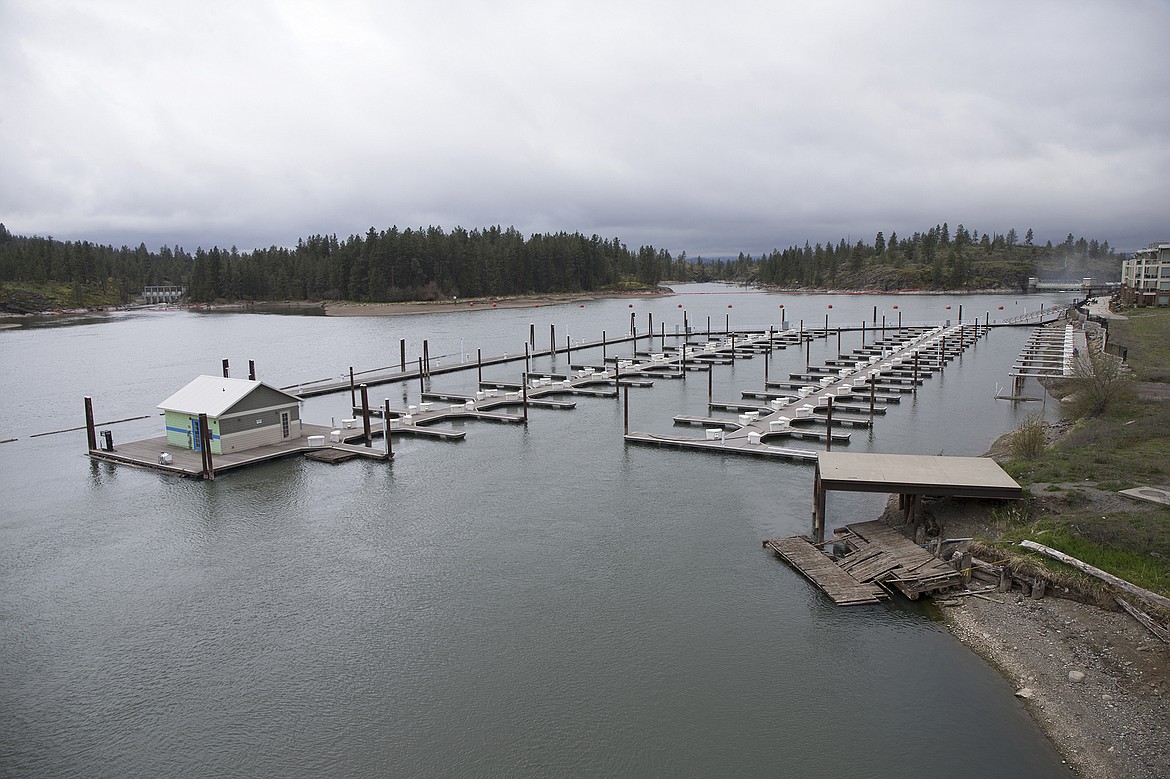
(430, 263)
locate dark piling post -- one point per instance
(732, 336)
(205, 445)
(552, 340)
(862, 333)
(708, 327)
(826, 325)
(524, 395)
(829, 426)
(662, 334)
(366, 415)
(633, 323)
(568, 349)
(427, 356)
(603, 348)
(626, 409)
(915, 371)
(386, 428)
(727, 324)
(225, 367)
(251, 370)
(352, 389)
(479, 366)
(872, 396)
(686, 327)
(899, 323)
(634, 342)
(875, 315)
(402, 354)
(420, 375)
(650, 324)
(683, 360)
(532, 334)
(90, 433)
(527, 367)
(883, 325)
(710, 385)
(942, 354)
(961, 311)
(807, 353)
(838, 341)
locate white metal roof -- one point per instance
(214, 395)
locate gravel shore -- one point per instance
(1115, 722)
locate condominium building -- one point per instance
(1145, 278)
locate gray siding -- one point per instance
(230, 425)
(261, 397)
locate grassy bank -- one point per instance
(1073, 505)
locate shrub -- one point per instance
(1027, 442)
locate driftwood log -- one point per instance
(1080, 565)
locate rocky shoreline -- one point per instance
(1114, 722)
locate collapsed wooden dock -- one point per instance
(873, 560)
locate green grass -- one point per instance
(1145, 335)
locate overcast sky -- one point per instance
(710, 127)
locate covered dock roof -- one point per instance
(911, 476)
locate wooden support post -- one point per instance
(353, 390)
(838, 341)
(552, 340)
(421, 387)
(683, 360)
(662, 334)
(727, 324)
(225, 368)
(366, 416)
(915, 372)
(807, 353)
(942, 354)
(386, 428)
(1005, 580)
(883, 325)
(708, 327)
(875, 316)
(90, 433)
(479, 366)
(710, 384)
(251, 370)
(650, 324)
(1037, 588)
(862, 333)
(427, 357)
(634, 343)
(961, 311)
(732, 336)
(872, 396)
(532, 334)
(626, 407)
(205, 443)
(402, 354)
(527, 367)
(818, 510)
(633, 323)
(686, 327)
(603, 348)
(986, 322)
(899, 323)
(568, 348)
(826, 325)
(829, 426)
(766, 361)
(965, 567)
(524, 395)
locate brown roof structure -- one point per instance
(910, 476)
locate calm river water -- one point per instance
(531, 601)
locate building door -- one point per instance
(284, 424)
(196, 437)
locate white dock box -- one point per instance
(316, 440)
(754, 438)
(349, 423)
(713, 433)
(335, 436)
(779, 425)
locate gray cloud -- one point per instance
(743, 127)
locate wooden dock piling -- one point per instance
(352, 392)
(90, 433)
(366, 415)
(386, 427)
(402, 354)
(225, 368)
(251, 370)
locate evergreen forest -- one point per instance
(431, 264)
